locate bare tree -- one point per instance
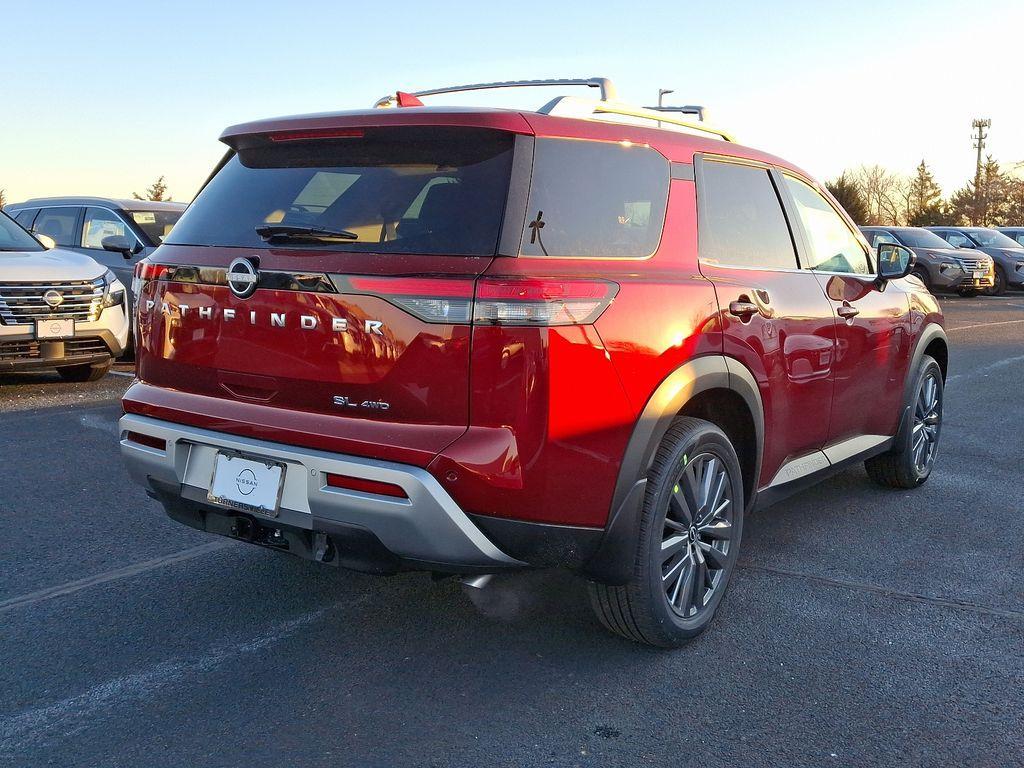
(885, 193)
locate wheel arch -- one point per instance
(714, 387)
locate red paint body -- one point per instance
(527, 423)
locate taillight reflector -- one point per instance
(147, 440)
(366, 486)
(317, 133)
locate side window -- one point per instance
(833, 246)
(1019, 237)
(958, 239)
(883, 237)
(25, 217)
(593, 198)
(100, 224)
(741, 219)
(58, 223)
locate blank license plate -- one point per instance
(246, 484)
(63, 328)
(979, 275)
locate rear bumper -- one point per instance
(427, 530)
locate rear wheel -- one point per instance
(690, 532)
(87, 372)
(910, 462)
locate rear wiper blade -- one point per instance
(283, 231)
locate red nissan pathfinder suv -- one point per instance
(470, 341)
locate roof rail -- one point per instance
(571, 106)
(606, 86)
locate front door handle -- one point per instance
(847, 311)
(743, 309)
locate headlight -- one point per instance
(113, 291)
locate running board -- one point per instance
(804, 471)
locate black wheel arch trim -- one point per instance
(613, 563)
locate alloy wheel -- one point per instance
(927, 423)
(696, 540)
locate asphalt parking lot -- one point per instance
(865, 627)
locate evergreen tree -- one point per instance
(925, 199)
(848, 193)
(156, 192)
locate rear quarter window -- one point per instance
(595, 199)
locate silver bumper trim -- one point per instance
(428, 526)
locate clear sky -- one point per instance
(102, 97)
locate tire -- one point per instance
(903, 466)
(87, 372)
(693, 451)
(999, 286)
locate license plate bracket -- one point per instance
(55, 328)
(246, 483)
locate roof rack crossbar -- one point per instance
(607, 88)
(689, 109)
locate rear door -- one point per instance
(61, 223)
(872, 322)
(370, 325)
(776, 320)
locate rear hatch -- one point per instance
(321, 285)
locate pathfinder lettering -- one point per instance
(274, 319)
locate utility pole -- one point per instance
(979, 144)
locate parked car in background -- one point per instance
(939, 266)
(1014, 233)
(116, 233)
(1007, 253)
(474, 340)
(58, 309)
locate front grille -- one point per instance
(973, 263)
(29, 349)
(24, 303)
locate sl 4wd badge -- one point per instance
(343, 401)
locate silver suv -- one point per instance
(58, 309)
(940, 266)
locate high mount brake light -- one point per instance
(317, 133)
(505, 301)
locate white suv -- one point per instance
(58, 309)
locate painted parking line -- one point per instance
(71, 587)
(983, 325)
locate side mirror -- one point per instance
(46, 241)
(894, 261)
(118, 244)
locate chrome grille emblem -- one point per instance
(53, 298)
(242, 277)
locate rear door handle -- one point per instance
(847, 311)
(743, 309)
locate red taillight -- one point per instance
(366, 486)
(147, 440)
(494, 301)
(541, 302)
(317, 133)
(147, 270)
(434, 300)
